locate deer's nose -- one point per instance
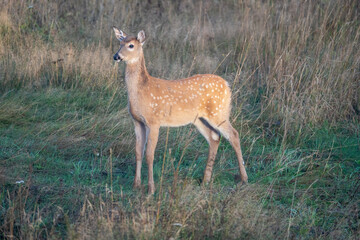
(117, 57)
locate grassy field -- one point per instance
(67, 158)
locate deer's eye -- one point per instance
(131, 46)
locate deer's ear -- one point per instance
(120, 35)
(141, 37)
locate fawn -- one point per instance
(203, 100)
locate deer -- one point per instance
(203, 100)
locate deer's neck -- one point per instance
(136, 76)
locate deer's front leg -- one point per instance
(153, 134)
(140, 133)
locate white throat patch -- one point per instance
(134, 60)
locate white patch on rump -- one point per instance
(214, 136)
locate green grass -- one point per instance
(66, 133)
(60, 147)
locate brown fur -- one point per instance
(203, 100)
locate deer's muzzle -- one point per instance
(117, 57)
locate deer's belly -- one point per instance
(176, 118)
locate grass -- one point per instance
(67, 141)
(77, 172)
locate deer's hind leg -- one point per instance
(213, 138)
(230, 133)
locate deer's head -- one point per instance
(130, 49)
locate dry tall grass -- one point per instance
(299, 60)
(291, 64)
